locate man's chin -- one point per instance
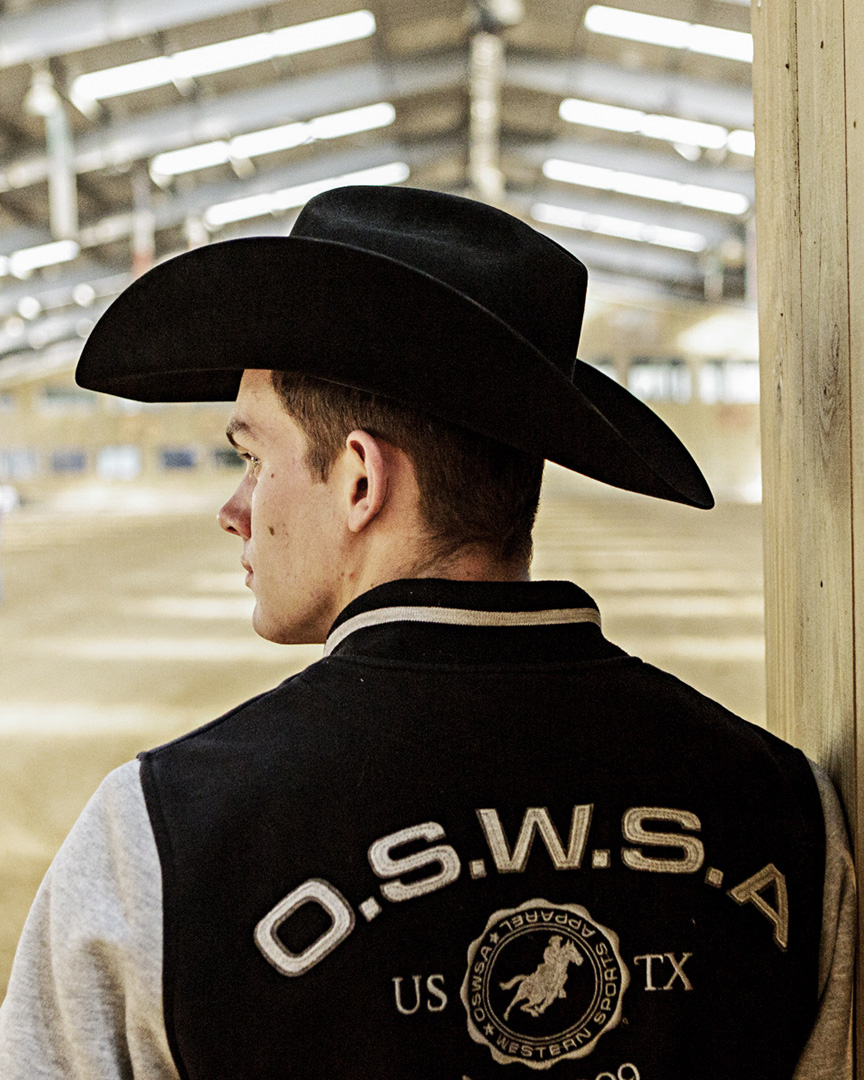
(281, 633)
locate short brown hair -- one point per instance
(473, 490)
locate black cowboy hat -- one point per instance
(430, 299)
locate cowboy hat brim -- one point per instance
(187, 329)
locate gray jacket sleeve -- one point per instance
(828, 1053)
(85, 997)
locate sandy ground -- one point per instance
(121, 631)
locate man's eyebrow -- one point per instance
(234, 426)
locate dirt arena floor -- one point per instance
(125, 622)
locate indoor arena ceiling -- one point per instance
(133, 129)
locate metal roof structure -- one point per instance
(133, 129)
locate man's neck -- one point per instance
(468, 564)
(476, 566)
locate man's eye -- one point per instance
(253, 461)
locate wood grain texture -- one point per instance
(775, 91)
(808, 80)
(804, 304)
(828, 667)
(854, 119)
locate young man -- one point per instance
(476, 834)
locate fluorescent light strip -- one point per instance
(223, 56)
(622, 228)
(742, 142)
(23, 262)
(646, 187)
(655, 126)
(672, 33)
(288, 198)
(270, 140)
(190, 158)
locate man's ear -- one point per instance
(368, 479)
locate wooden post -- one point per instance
(808, 85)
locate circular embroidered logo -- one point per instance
(544, 981)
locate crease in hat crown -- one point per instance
(495, 259)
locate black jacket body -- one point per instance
(506, 849)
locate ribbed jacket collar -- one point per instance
(441, 619)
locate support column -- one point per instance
(485, 74)
(485, 78)
(143, 221)
(808, 85)
(43, 100)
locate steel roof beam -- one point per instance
(122, 143)
(58, 29)
(172, 212)
(647, 90)
(669, 165)
(716, 228)
(639, 261)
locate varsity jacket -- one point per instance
(477, 839)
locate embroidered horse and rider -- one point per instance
(546, 984)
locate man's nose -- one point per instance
(234, 515)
